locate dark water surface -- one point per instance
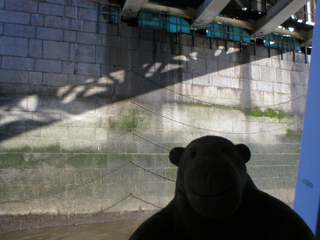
(120, 230)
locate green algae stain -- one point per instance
(11, 160)
(270, 113)
(130, 119)
(291, 133)
(198, 104)
(255, 112)
(297, 150)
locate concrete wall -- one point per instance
(87, 120)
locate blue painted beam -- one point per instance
(307, 197)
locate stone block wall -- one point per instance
(87, 119)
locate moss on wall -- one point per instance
(271, 113)
(127, 119)
(255, 112)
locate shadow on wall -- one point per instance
(121, 73)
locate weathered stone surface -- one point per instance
(87, 119)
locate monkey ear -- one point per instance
(175, 155)
(244, 151)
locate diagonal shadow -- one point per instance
(167, 64)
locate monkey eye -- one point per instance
(193, 154)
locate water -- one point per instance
(120, 230)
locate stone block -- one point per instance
(286, 76)
(50, 33)
(37, 20)
(87, 14)
(87, 205)
(124, 58)
(84, 3)
(242, 71)
(300, 58)
(295, 77)
(202, 80)
(57, 22)
(263, 61)
(156, 189)
(18, 63)
(109, 190)
(211, 66)
(275, 62)
(299, 90)
(203, 52)
(68, 67)
(226, 69)
(88, 69)
(196, 65)
(35, 48)
(22, 6)
(35, 78)
(53, 66)
(71, 12)
(8, 159)
(145, 160)
(282, 88)
(87, 174)
(86, 26)
(268, 74)
(255, 72)
(100, 161)
(220, 81)
(55, 50)
(304, 67)
(146, 147)
(102, 55)
(69, 36)
(288, 56)
(13, 46)
(124, 175)
(19, 193)
(81, 133)
(220, 54)
(18, 30)
(82, 53)
(199, 41)
(14, 17)
(286, 65)
(304, 77)
(89, 38)
(264, 172)
(101, 134)
(68, 146)
(261, 52)
(117, 161)
(17, 89)
(152, 175)
(55, 79)
(48, 146)
(51, 9)
(113, 147)
(77, 107)
(12, 76)
(132, 147)
(265, 86)
(79, 191)
(146, 45)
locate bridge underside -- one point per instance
(287, 17)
